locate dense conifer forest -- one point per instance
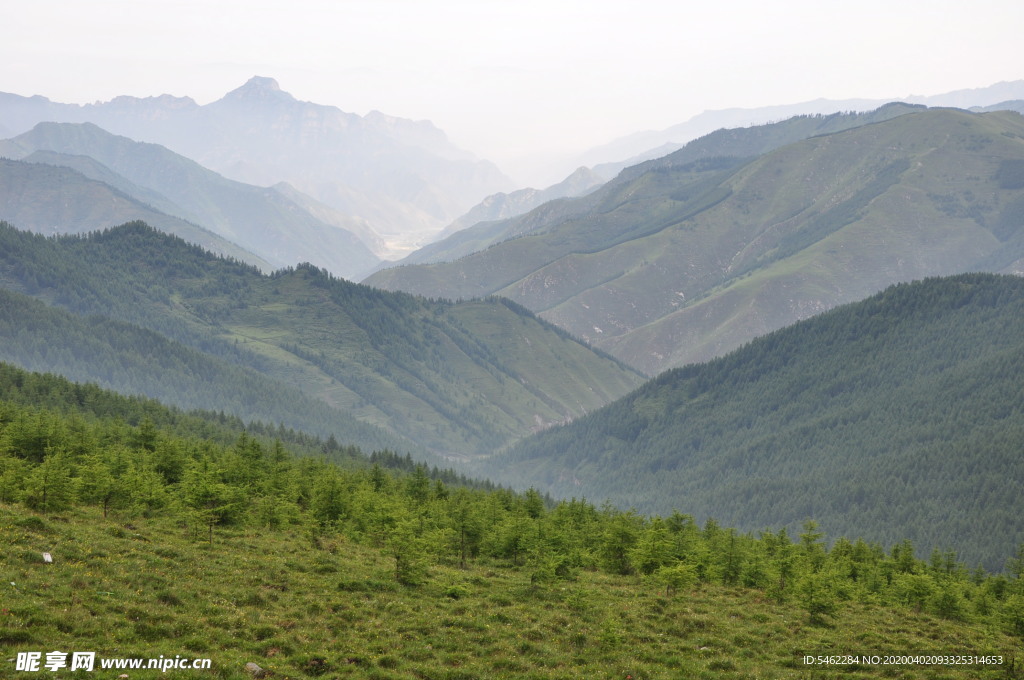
(896, 417)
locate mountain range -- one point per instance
(482, 225)
(403, 177)
(264, 221)
(686, 257)
(608, 159)
(47, 196)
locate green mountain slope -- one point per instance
(687, 257)
(742, 143)
(133, 360)
(458, 379)
(899, 416)
(259, 219)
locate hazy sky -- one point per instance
(505, 79)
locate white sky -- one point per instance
(507, 79)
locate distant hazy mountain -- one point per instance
(325, 213)
(477, 228)
(900, 416)
(459, 379)
(45, 198)
(261, 220)
(93, 169)
(1014, 105)
(404, 177)
(609, 158)
(689, 256)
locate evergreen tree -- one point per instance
(207, 500)
(465, 523)
(418, 485)
(12, 478)
(96, 482)
(621, 533)
(328, 503)
(818, 597)
(653, 548)
(144, 489)
(49, 488)
(409, 552)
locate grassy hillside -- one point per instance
(459, 379)
(687, 257)
(899, 416)
(332, 609)
(165, 543)
(488, 229)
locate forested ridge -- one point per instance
(153, 484)
(134, 360)
(454, 378)
(901, 416)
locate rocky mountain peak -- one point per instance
(258, 87)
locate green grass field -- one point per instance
(328, 607)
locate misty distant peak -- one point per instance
(262, 83)
(166, 101)
(403, 176)
(258, 87)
